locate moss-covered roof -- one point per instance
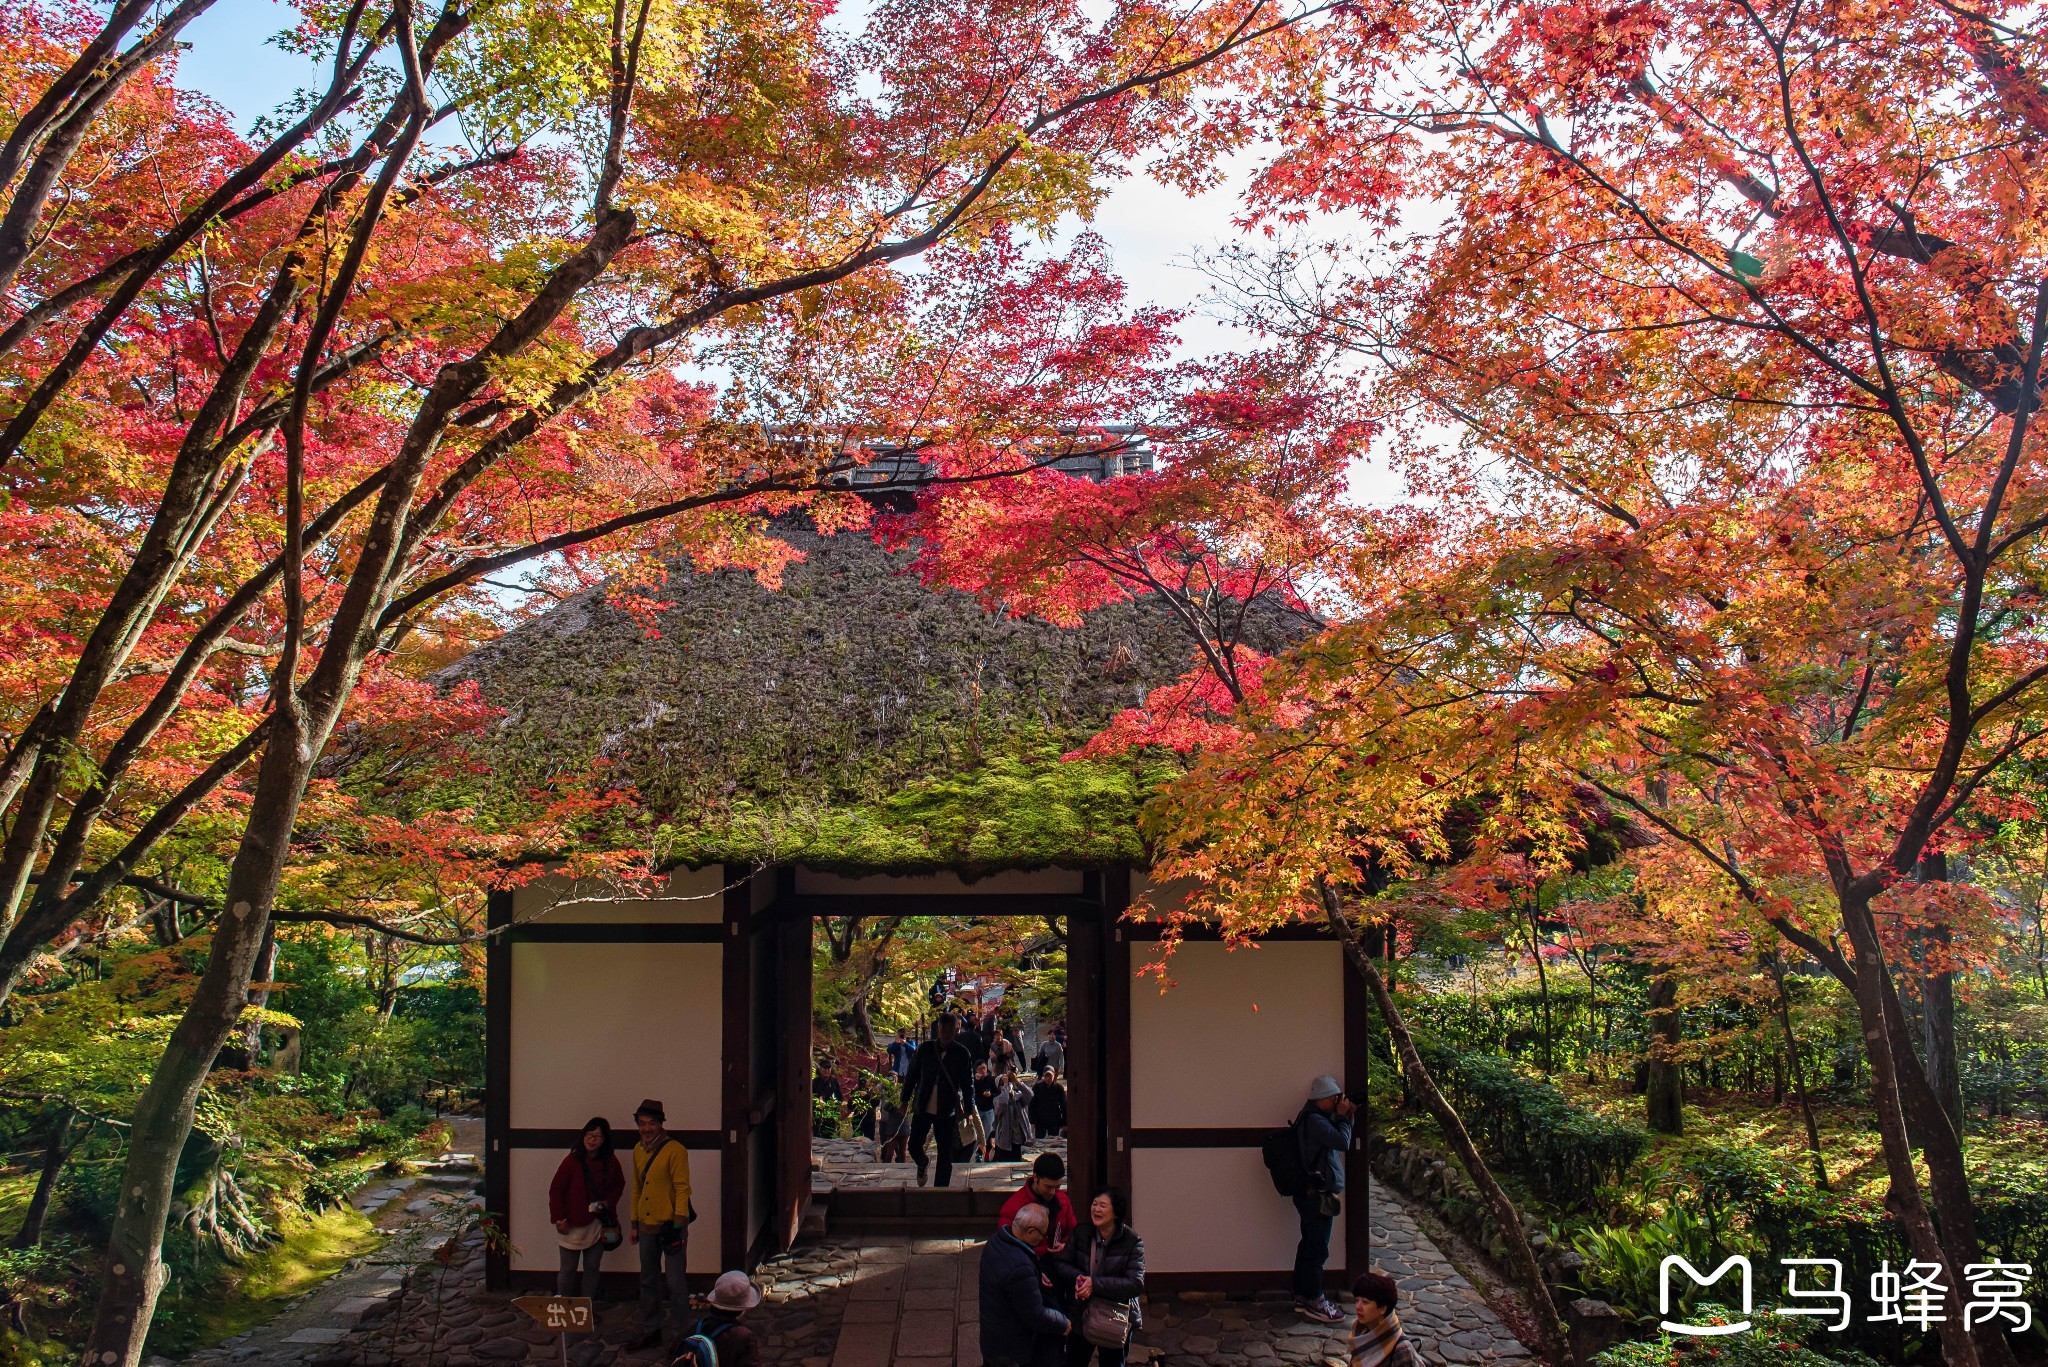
(855, 719)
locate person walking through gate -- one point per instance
(1056, 1051)
(1042, 1188)
(661, 1221)
(1102, 1272)
(985, 1105)
(583, 1201)
(1376, 1337)
(1323, 1130)
(1020, 1325)
(1013, 1128)
(1049, 1106)
(901, 1052)
(940, 1087)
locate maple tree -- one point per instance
(281, 407)
(1734, 318)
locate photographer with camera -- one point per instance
(583, 1201)
(1323, 1133)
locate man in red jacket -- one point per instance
(1043, 1187)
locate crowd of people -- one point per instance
(1057, 1286)
(967, 1073)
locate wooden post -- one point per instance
(737, 982)
(1116, 1026)
(792, 1074)
(1357, 1164)
(498, 1087)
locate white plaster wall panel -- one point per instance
(1214, 1210)
(1046, 882)
(533, 1234)
(1202, 1056)
(685, 897)
(596, 1027)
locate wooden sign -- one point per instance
(569, 1314)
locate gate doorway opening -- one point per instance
(881, 982)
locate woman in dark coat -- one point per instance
(1105, 1260)
(582, 1200)
(1049, 1106)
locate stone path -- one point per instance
(850, 1164)
(423, 1216)
(889, 1299)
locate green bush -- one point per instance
(1624, 1266)
(1772, 1342)
(1528, 1124)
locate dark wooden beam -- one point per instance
(498, 1088)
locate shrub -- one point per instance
(1773, 1342)
(1528, 1124)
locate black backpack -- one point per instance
(1282, 1151)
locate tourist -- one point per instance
(971, 1039)
(892, 1133)
(901, 1052)
(940, 1086)
(734, 1345)
(1376, 1337)
(1002, 1056)
(1020, 1325)
(1056, 1051)
(1323, 1129)
(1042, 1188)
(661, 1221)
(1102, 1271)
(985, 1104)
(583, 1201)
(1049, 1106)
(1012, 1128)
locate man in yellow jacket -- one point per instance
(661, 1222)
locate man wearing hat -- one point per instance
(733, 1296)
(661, 1221)
(1323, 1129)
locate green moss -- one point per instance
(260, 1288)
(855, 719)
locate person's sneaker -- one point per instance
(920, 1174)
(1320, 1310)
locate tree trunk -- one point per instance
(1522, 1264)
(1820, 1164)
(1543, 991)
(1664, 1089)
(265, 970)
(55, 1155)
(133, 1273)
(1904, 1199)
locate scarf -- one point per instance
(1375, 1347)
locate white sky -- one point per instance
(1153, 231)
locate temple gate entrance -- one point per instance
(701, 997)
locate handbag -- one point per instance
(608, 1234)
(1105, 1323)
(971, 1135)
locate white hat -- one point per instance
(735, 1291)
(1322, 1087)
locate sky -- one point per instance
(1153, 231)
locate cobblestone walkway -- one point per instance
(891, 1300)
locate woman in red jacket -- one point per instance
(583, 1201)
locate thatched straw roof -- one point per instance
(855, 719)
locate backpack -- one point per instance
(698, 1350)
(1282, 1151)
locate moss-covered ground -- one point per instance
(252, 1292)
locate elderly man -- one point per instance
(1020, 1326)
